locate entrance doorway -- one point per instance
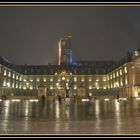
(41, 91)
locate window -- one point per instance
(75, 87)
(37, 79)
(44, 79)
(126, 81)
(90, 79)
(67, 79)
(117, 74)
(90, 87)
(51, 79)
(104, 79)
(4, 82)
(120, 72)
(75, 79)
(9, 74)
(17, 77)
(4, 72)
(16, 84)
(110, 76)
(82, 79)
(20, 78)
(13, 75)
(125, 69)
(51, 87)
(63, 78)
(121, 83)
(13, 84)
(113, 75)
(97, 80)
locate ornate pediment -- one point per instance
(63, 73)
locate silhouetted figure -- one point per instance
(118, 97)
(43, 98)
(74, 97)
(59, 98)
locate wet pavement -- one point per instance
(76, 117)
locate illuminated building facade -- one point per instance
(87, 79)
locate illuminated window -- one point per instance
(90, 87)
(75, 79)
(104, 87)
(4, 72)
(17, 77)
(31, 80)
(82, 79)
(24, 87)
(20, 78)
(104, 78)
(44, 79)
(67, 79)
(97, 85)
(27, 84)
(97, 80)
(126, 81)
(13, 75)
(110, 76)
(57, 84)
(20, 86)
(117, 74)
(75, 87)
(4, 82)
(120, 72)
(113, 75)
(24, 80)
(16, 85)
(13, 84)
(125, 69)
(121, 83)
(116, 84)
(37, 79)
(31, 87)
(51, 87)
(90, 94)
(51, 79)
(59, 79)
(63, 78)
(90, 79)
(8, 83)
(9, 74)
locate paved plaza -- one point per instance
(100, 116)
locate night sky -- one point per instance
(30, 35)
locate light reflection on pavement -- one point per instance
(53, 117)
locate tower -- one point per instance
(65, 52)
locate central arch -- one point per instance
(63, 84)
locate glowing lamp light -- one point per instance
(8, 84)
(63, 78)
(106, 99)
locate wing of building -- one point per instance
(81, 79)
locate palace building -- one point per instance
(81, 79)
